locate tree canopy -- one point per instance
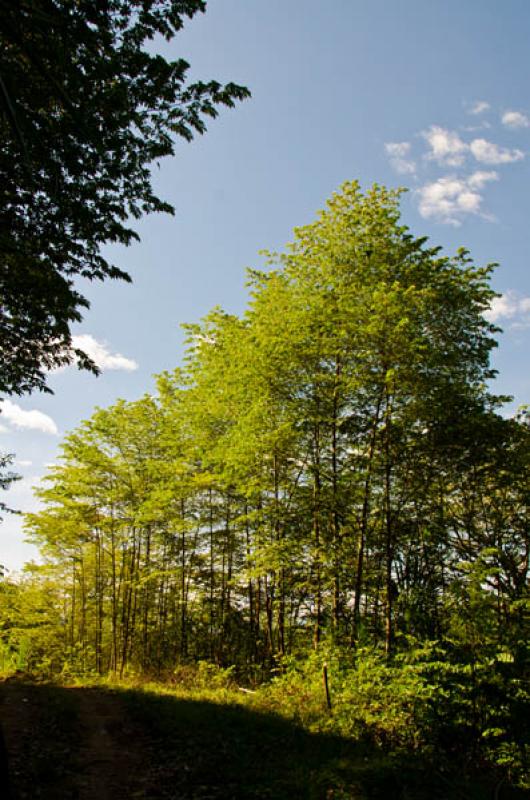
(327, 466)
(328, 474)
(86, 107)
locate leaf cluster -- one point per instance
(87, 105)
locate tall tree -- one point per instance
(86, 107)
(330, 466)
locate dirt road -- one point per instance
(66, 743)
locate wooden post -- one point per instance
(326, 686)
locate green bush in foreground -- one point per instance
(466, 711)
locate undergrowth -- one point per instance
(432, 713)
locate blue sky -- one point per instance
(432, 95)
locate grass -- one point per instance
(221, 743)
(198, 742)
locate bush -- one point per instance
(466, 710)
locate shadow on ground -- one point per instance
(95, 743)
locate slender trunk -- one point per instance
(183, 609)
(114, 611)
(389, 543)
(135, 577)
(335, 514)
(230, 558)
(160, 610)
(72, 621)
(250, 588)
(221, 622)
(377, 599)
(99, 605)
(146, 593)
(82, 621)
(129, 576)
(269, 604)
(317, 539)
(212, 582)
(365, 514)
(257, 626)
(278, 528)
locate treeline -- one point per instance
(329, 467)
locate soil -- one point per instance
(96, 743)
(69, 744)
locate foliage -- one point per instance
(7, 478)
(465, 713)
(31, 625)
(328, 472)
(87, 106)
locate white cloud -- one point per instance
(503, 307)
(101, 355)
(23, 463)
(451, 198)
(510, 306)
(490, 153)
(446, 146)
(479, 107)
(483, 125)
(515, 119)
(27, 420)
(481, 177)
(398, 154)
(3, 429)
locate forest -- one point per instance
(297, 567)
(325, 505)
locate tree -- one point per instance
(327, 472)
(86, 107)
(329, 466)
(6, 478)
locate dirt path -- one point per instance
(70, 744)
(110, 751)
(95, 743)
